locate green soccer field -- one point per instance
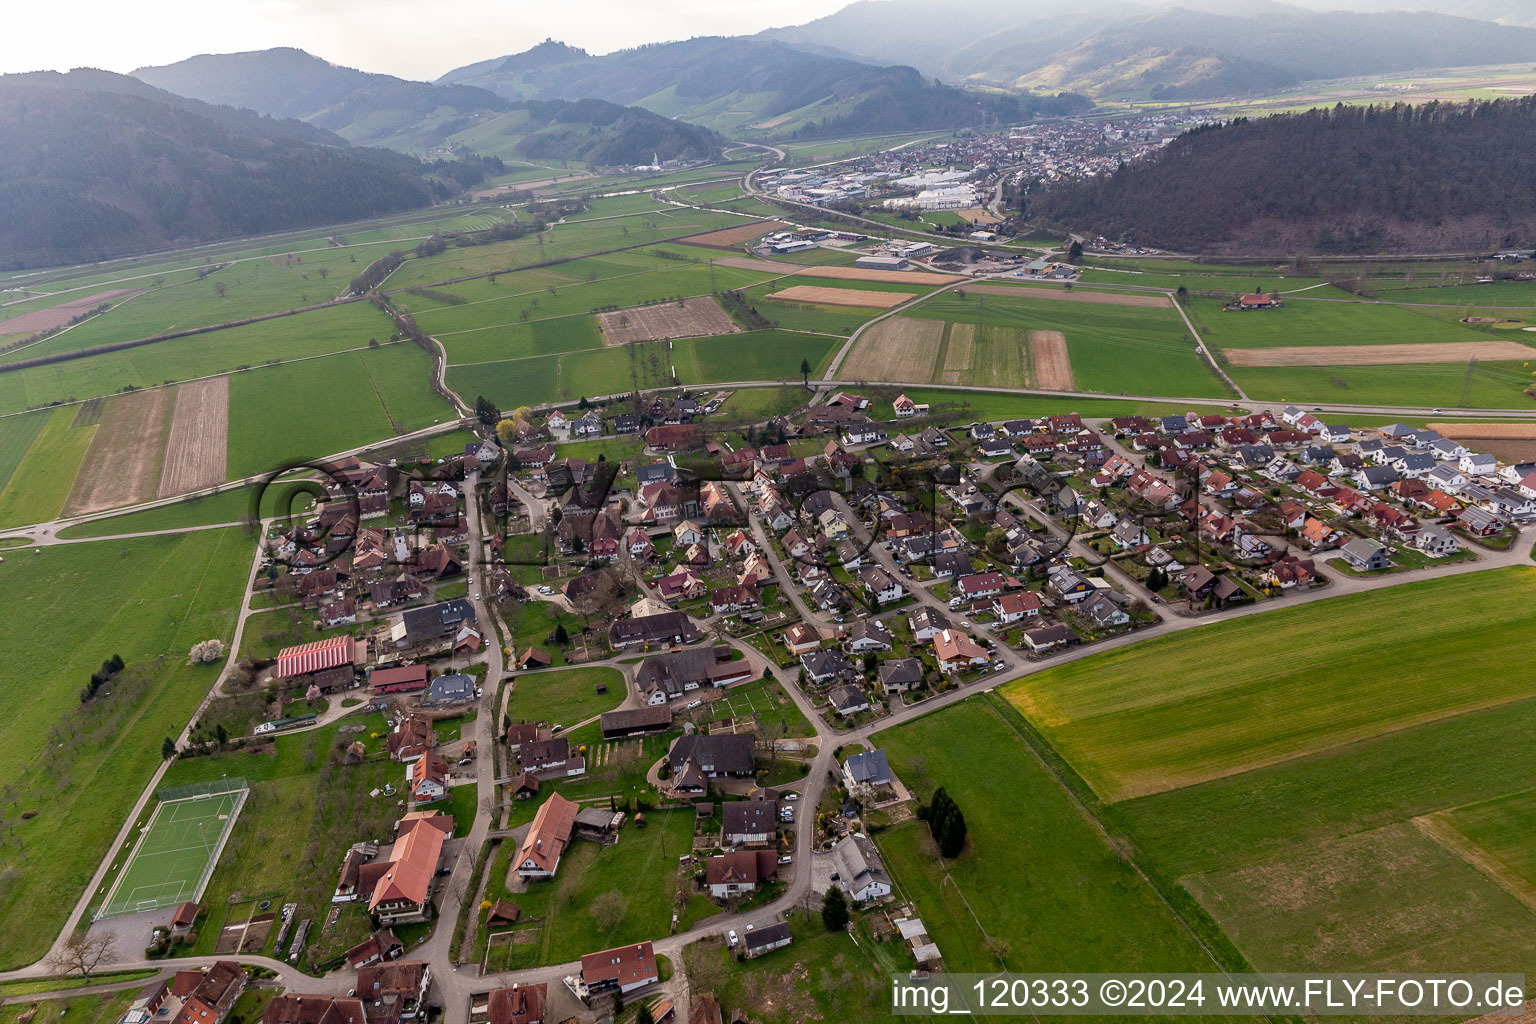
(175, 854)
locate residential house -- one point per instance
(1366, 554)
(866, 768)
(735, 874)
(750, 822)
(957, 652)
(801, 638)
(1041, 639)
(412, 736)
(848, 700)
(520, 1004)
(426, 780)
(1436, 542)
(868, 635)
(214, 995)
(402, 886)
(860, 870)
(926, 623)
(625, 968)
(1013, 607)
(766, 939)
(822, 667)
(898, 675)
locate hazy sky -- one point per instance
(410, 38)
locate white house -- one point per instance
(1477, 464)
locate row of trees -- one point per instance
(108, 671)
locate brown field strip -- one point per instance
(691, 318)
(1378, 355)
(197, 452)
(842, 296)
(1439, 828)
(122, 464)
(901, 348)
(1024, 291)
(1053, 366)
(919, 277)
(60, 315)
(730, 238)
(1487, 431)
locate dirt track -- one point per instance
(842, 296)
(1053, 367)
(900, 349)
(1378, 355)
(730, 238)
(60, 315)
(693, 318)
(1075, 295)
(122, 464)
(197, 452)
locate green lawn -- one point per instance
(1165, 713)
(820, 976)
(1036, 874)
(228, 506)
(566, 696)
(44, 475)
(106, 1008)
(996, 405)
(81, 767)
(289, 842)
(641, 869)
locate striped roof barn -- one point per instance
(313, 657)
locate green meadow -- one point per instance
(43, 472)
(80, 767)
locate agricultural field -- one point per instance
(663, 321)
(197, 449)
(1306, 323)
(750, 356)
(1164, 714)
(320, 332)
(566, 696)
(254, 286)
(1424, 385)
(147, 600)
(123, 463)
(45, 470)
(310, 409)
(1052, 890)
(1112, 348)
(997, 405)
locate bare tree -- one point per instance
(608, 910)
(82, 954)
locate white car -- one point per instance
(545, 591)
(731, 939)
(964, 624)
(785, 859)
(696, 704)
(791, 796)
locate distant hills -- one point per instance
(94, 165)
(743, 83)
(363, 108)
(419, 117)
(1433, 178)
(1199, 50)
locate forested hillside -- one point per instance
(727, 83)
(87, 174)
(1437, 177)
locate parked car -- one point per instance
(791, 796)
(731, 939)
(785, 859)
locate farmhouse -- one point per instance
(637, 722)
(402, 886)
(764, 940)
(718, 755)
(520, 1004)
(627, 969)
(214, 996)
(395, 991)
(671, 627)
(749, 822)
(736, 874)
(548, 836)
